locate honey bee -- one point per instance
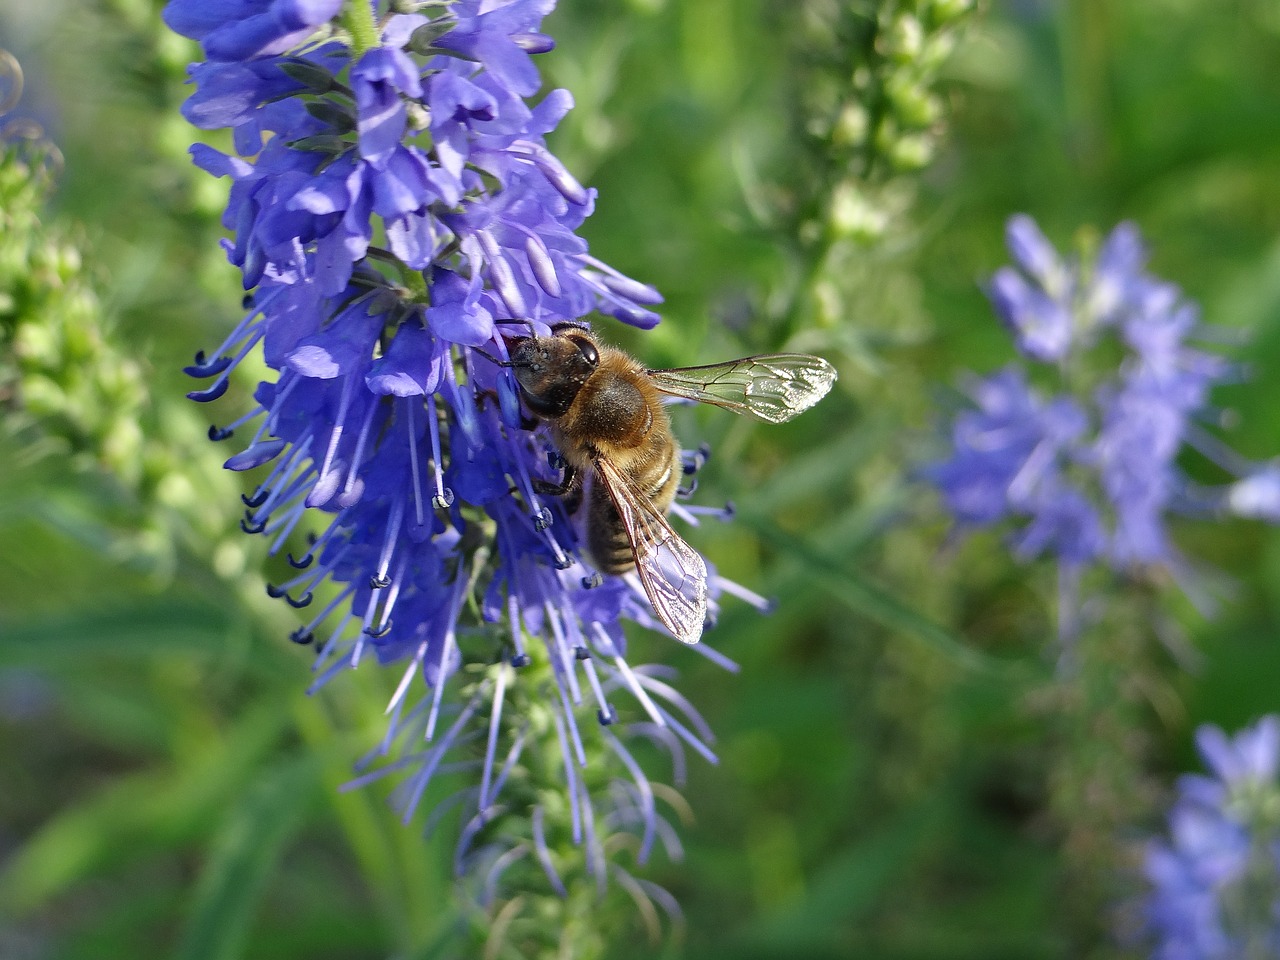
(606, 417)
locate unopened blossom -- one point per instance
(396, 214)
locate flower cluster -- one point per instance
(1089, 471)
(58, 371)
(866, 77)
(1215, 883)
(393, 206)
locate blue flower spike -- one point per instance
(1215, 880)
(1077, 453)
(396, 215)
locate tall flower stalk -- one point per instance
(869, 115)
(396, 214)
(1077, 451)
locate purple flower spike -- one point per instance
(398, 218)
(1090, 472)
(1215, 882)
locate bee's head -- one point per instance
(551, 370)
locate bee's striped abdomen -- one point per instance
(607, 540)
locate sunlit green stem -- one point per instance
(357, 17)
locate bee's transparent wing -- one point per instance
(773, 386)
(673, 574)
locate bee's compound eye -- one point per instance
(587, 349)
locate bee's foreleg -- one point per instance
(568, 481)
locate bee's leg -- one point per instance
(573, 500)
(568, 481)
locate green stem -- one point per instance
(357, 17)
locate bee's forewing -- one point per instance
(773, 386)
(673, 574)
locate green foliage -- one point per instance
(901, 774)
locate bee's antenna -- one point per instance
(491, 358)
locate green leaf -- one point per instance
(874, 603)
(244, 854)
(852, 881)
(140, 814)
(143, 629)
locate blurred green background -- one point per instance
(901, 776)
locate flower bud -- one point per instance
(854, 215)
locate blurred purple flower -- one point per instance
(1088, 468)
(1257, 495)
(387, 413)
(1215, 882)
(1035, 302)
(240, 29)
